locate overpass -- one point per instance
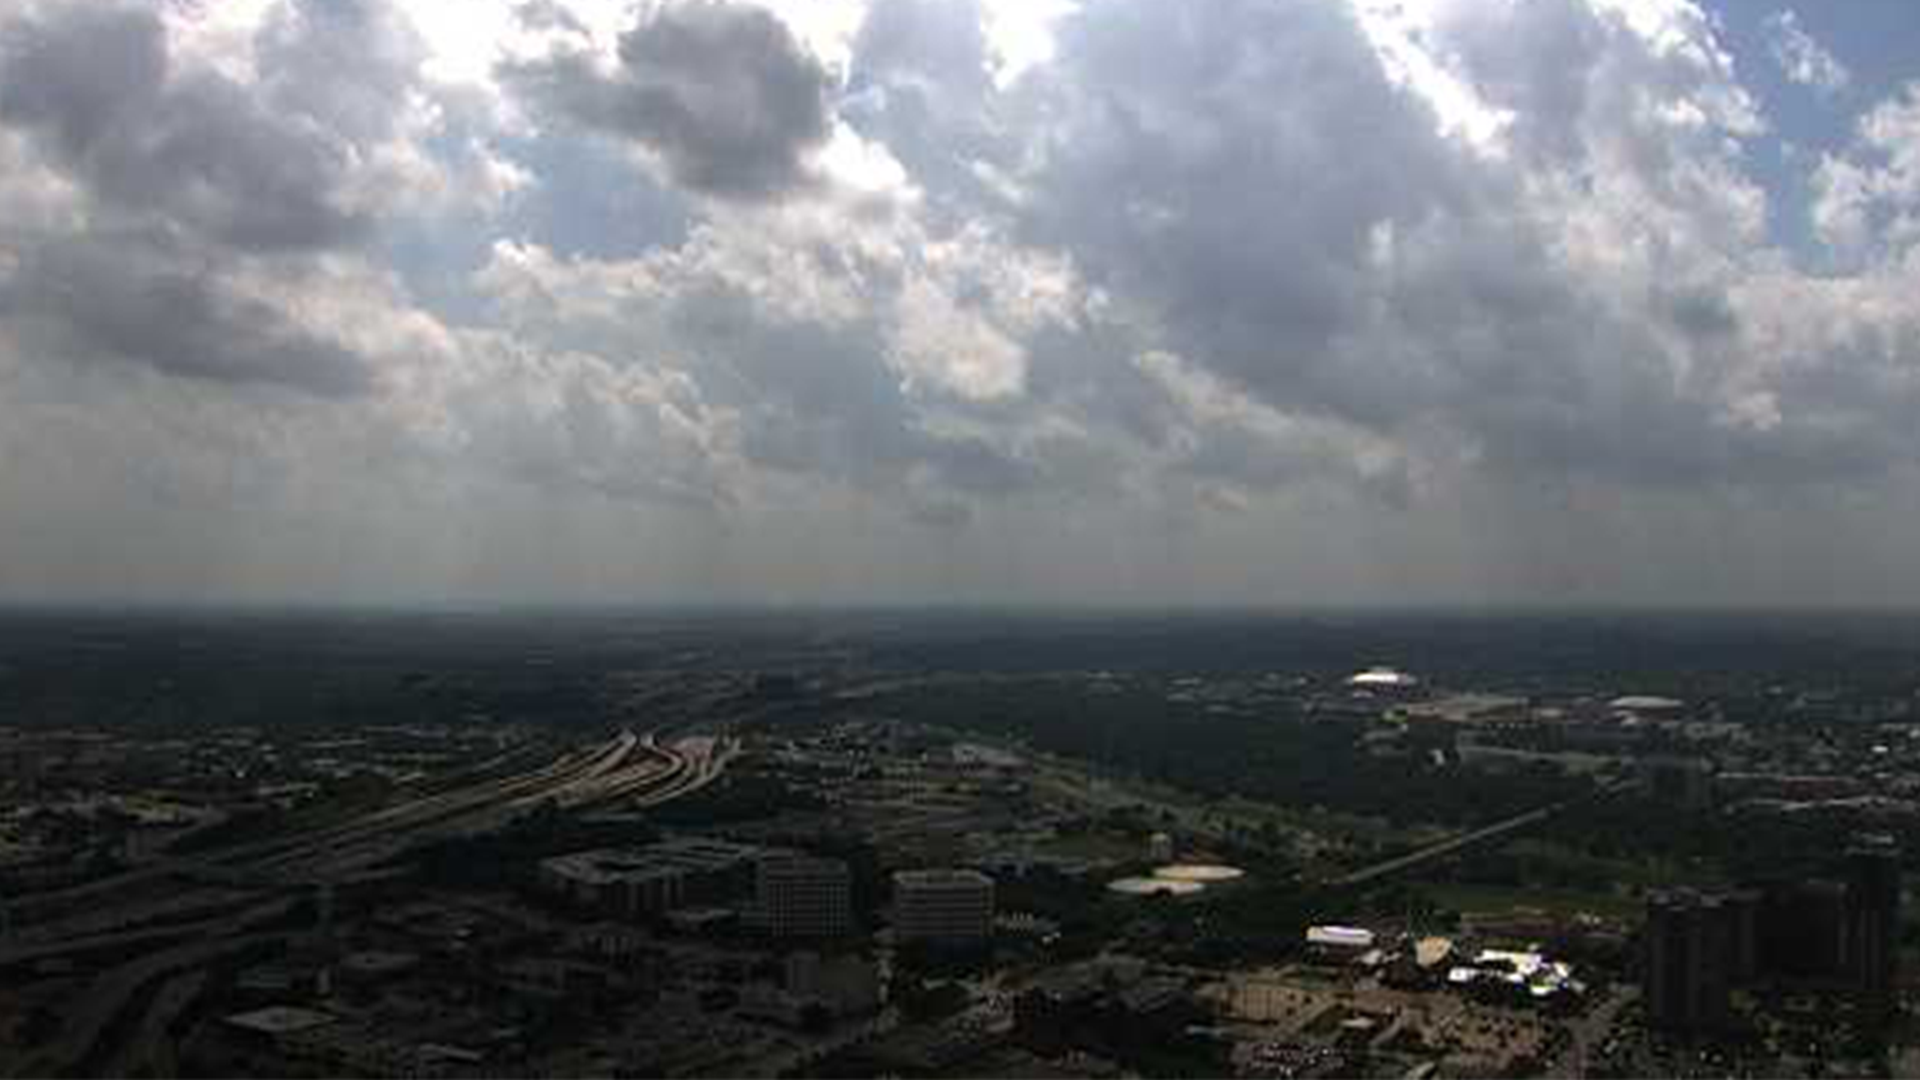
(174, 917)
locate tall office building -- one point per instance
(952, 907)
(1742, 908)
(1804, 931)
(805, 897)
(1873, 919)
(1689, 946)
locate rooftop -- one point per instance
(1646, 703)
(667, 858)
(931, 878)
(281, 1020)
(1344, 937)
(1382, 676)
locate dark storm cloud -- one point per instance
(130, 299)
(723, 94)
(94, 86)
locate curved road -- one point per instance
(623, 767)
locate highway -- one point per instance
(81, 1036)
(132, 901)
(187, 913)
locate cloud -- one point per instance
(1481, 302)
(95, 86)
(721, 94)
(1230, 300)
(1868, 196)
(135, 299)
(791, 361)
(1802, 59)
(210, 217)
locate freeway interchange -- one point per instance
(153, 925)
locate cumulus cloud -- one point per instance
(1868, 195)
(1801, 58)
(95, 86)
(198, 204)
(721, 94)
(885, 310)
(136, 299)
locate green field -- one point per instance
(1485, 900)
(1095, 845)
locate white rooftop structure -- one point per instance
(1204, 873)
(1645, 703)
(1541, 977)
(1383, 678)
(1430, 952)
(1146, 886)
(281, 1020)
(1340, 937)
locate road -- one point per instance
(202, 925)
(1446, 848)
(1588, 1032)
(81, 1036)
(151, 1053)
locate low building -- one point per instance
(702, 921)
(946, 907)
(654, 879)
(1160, 848)
(1343, 943)
(1383, 680)
(1536, 976)
(1650, 706)
(372, 966)
(1103, 1007)
(277, 1024)
(1422, 963)
(847, 985)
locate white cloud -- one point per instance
(1869, 196)
(1028, 276)
(1801, 58)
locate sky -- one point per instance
(1270, 303)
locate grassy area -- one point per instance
(1095, 845)
(1486, 900)
(1329, 824)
